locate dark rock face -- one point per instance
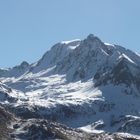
(5, 119)
(46, 130)
(122, 74)
(61, 112)
(131, 125)
(36, 130)
(5, 94)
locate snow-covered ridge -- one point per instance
(71, 41)
(92, 46)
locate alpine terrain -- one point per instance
(79, 90)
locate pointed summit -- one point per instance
(92, 37)
(24, 64)
(92, 40)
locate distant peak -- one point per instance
(90, 36)
(24, 63)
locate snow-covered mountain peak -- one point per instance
(86, 84)
(56, 54)
(93, 41)
(76, 56)
(24, 66)
(15, 71)
(92, 37)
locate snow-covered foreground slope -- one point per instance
(84, 84)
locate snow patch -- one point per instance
(70, 41)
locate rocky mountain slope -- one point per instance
(90, 86)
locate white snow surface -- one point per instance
(70, 41)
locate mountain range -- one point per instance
(79, 90)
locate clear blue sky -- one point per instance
(28, 28)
